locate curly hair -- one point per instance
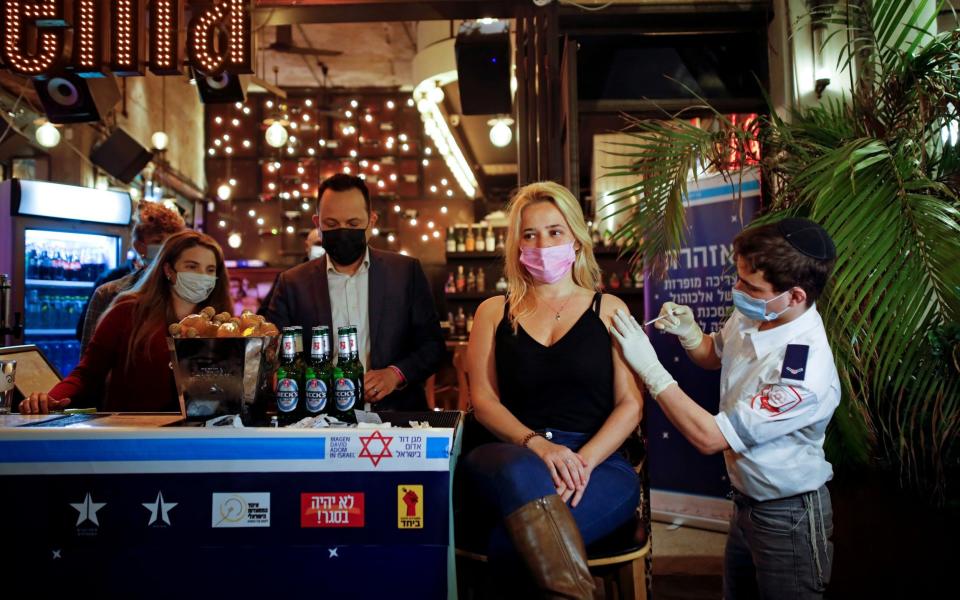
(155, 219)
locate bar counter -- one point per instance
(136, 506)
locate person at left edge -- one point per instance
(129, 346)
(385, 294)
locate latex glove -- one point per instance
(678, 320)
(639, 353)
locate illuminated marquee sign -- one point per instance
(93, 36)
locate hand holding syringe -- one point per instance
(672, 313)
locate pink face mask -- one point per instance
(548, 265)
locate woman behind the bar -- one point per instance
(547, 381)
(129, 348)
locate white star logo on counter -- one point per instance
(56, 554)
(88, 510)
(159, 508)
(333, 553)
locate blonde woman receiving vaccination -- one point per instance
(547, 382)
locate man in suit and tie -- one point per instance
(385, 294)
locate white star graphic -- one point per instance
(733, 218)
(88, 510)
(333, 553)
(160, 507)
(666, 435)
(56, 554)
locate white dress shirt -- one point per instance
(349, 305)
(778, 390)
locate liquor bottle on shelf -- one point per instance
(461, 242)
(471, 243)
(450, 287)
(638, 279)
(460, 323)
(481, 280)
(614, 282)
(461, 279)
(481, 243)
(491, 242)
(451, 240)
(469, 323)
(627, 279)
(500, 243)
(502, 284)
(471, 281)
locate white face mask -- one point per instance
(315, 252)
(194, 287)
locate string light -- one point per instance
(443, 209)
(436, 234)
(433, 189)
(390, 104)
(234, 241)
(222, 224)
(224, 191)
(47, 135)
(260, 221)
(252, 212)
(290, 229)
(354, 103)
(396, 208)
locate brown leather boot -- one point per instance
(546, 536)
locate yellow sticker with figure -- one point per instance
(410, 506)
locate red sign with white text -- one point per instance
(331, 509)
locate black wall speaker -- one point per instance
(225, 88)
(121, 156)
(67, 98)
(483, 70)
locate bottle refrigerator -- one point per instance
(63, 238)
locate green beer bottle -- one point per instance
(316, 380)
(357, 365)
(344, 386)
(289, 380)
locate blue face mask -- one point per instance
(755, 308)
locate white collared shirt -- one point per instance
(778, 390)
(349, 296)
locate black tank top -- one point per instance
(567, 386)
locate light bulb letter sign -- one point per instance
(109, 35)
(219, 38)
(126, 40)
(165, 17)
(39, 21)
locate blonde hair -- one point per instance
(586, 272)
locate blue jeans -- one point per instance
(779, 549)
(504, 477)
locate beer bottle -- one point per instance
(298, 333)
(357, 367)
(315, 382)
(289, 380)
(344, 387)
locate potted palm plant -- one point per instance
(879, 168)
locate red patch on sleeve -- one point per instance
(776, 399)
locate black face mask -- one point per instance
(344, 245)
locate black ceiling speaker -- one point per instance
(225, 88)
(121, 156)
(68, 98)
(483, 68)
